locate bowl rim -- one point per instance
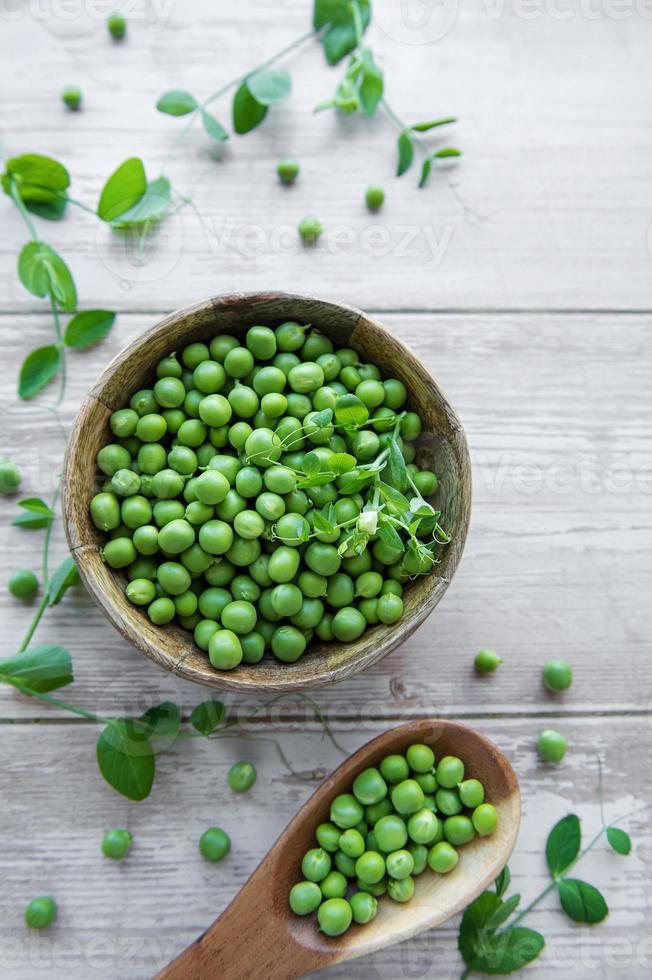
(156, 651)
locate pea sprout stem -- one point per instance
(43, 604)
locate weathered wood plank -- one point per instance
(126, 920)
(559, 551)
(559, 170)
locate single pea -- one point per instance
(391, 833)
(419, 854)
(116, 844)
(9, 477)
(557, 675)
(214, 844)
(224, 650)
(239, 362)
(292, 529)
(485, 819)
(117, 26)
(328, 837)
(71, 97)
(242, 776)
(161, 611)
(458, 830)
(288, 643)
(370, 867)
(407, 797)
(310, 229)
(352, 843)
(400, 864)
(363, 907)
(213, 601)
(23, 584)
(112, 458)
(253, 647)
(376, 890)
(141, 592)
(486, 661)
(448, 802)
(288, 170)
(176, 536)
(119, 552)
(143, 401)
(305, 378)
(334, 916)
(305, 897)
(209, 377)
(287, 599)
(41, 912)
(316, 864)
(334, 885)
(471, 792)
(420, 758)
(394, 768)
(290, 336)
(427, 781)
(283, 564)
(263, 447)
(346, 811)
(374, 196)
(422, 826)
(450, 771)
(401, 890)
(375, 811)
(344, 863)
(552, 745)
(145, 539)
(340, 591)
(194, 354)
(389, 608)
(425, 481)
(369, 787)
(172, 575)
(348, 624)
(221, 345)
(442, 857)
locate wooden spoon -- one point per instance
(258, 935)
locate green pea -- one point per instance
(346, 811)
(328, 837)
(401, 890)
(363, 907)
(344, 863)
(145, 539)
(224, 650)
(407, 796)
(287, 599)
(213, 601)
(119, 552)
(253, 646)
(10, 477)
(117, 26)
(243, 401)
(374, 197)
(419, 854)
(394, 768)
(141, 592)
(370, 867)
(352, 843)
(340, 592)
(450, 771)
(448, 802)
(316, 864)
(305, 897)
(283, 564)
(306, 377)
(116, 844)
(471, 792)
(288, 643)
(369, 787)
(552, 745)
(23, 584)
(375, 890)
(334, 885)
(486, 661)
(176, 536)
(214, 844)
(422, 826)
(312, 585)
(323, 559)
(391, 833)
(41, 912)
(174, 578)
(310, 229)
(557, 675)
(334, 916)
(241, 777)
(194, 354)
(221, 345)
(400, 864)
(287, 170)
(348, 624)
(442, 857)
(420, 758)
(239, 362)
(161, 611)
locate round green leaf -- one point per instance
(268, 87)
(38, 369)
(42, 272)
(177, 103)
(405, 154)
(126, 759)
(88, 327)
(563, 844)
(123, 189)
(582, 902)
(247, 112)
(207, 716)
(149, 209)
(212, 127)
(619, 840)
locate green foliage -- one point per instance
(43, 272)
(85, 329)
(41, 669)
(207, 716)
(581, 902)
(124, 189)
(177, 103)
(619, 841)
(38, 369)
(563, 844)
(38, 514)
(213, 128)
(161, 721)
(39, 181)
(126, 758)
(340, 36)
(65, 577)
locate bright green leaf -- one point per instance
(340, 37)
(311, 464)
(151, 207)
(269, 87)
(88, 327)
(503, 881)
(396, 468)
(43, 272)
(582, 902)
(563, 844)
(425, 171)
(126, 759)
(447, 151)
(65, 577)
(390, 536)
(207, 716)
(162, 721)
(38, 369)
(619, 840)
(212, 127)
(405, 154)
(41, 183)
(247, 112)
(340, 463)
(503, 912)
(42, 668)
(500, 953)
(425, 126)
(350, 411)
(393, 497)
(123, 189)
(371, 87)
(177, 103)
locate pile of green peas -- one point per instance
(202, 506)
(407, 815)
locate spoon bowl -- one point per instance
(259, 936)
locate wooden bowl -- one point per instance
(442, 448)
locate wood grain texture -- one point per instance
(259, 936)
(553, 121)
(129, 919)
(441, 447)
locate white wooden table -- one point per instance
(531, 303)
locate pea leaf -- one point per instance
(563, 844)
(425, 171)
(207, 716)
(177, 103)
(322, 523)
(340, 463)
(503, 912)
(501, 953)
(163, 720)
(479, 912)
(405, 154)
(42, 668)
(38, 368)
(350, 411)
(123, 189)
(322, 418)
(311, 464)
(247, 111)
(445, 152)
(212, 127)
(503, 881)
(65, 577)
(425, 126)
(269, 87)
(42, 272)
(582, 902)
(390, 536)
(126, 759)
(340, 38)
(86, 328)
(393, 496)
(40, 181)
(396, 468)
(619, 840)
(371, 86)
(151, 207)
